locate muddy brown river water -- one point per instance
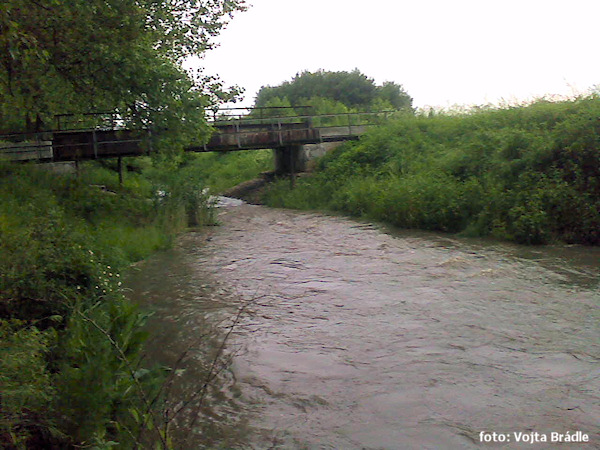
(358, 337)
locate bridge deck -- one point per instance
(229, 135)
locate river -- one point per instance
(353, 336)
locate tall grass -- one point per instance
(70, 343)
(221, 171)
(528, 173)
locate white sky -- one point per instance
(444, 52)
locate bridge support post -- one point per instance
(120, 164)
(292, 169)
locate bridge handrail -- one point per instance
(42, 146)
(298, 118)
(27, 143)
(224, 121)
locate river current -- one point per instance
(351, 336)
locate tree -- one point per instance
(352, 89)
(124, 56)
(394, 94)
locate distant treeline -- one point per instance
(527, 173)
(334, 92)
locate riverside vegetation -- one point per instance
(528, 173)
(70, 343)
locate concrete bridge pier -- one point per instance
(289, 159)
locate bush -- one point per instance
(27, 390)
(70, 341)
(529, 173)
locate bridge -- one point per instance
(108, 138)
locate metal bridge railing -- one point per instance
(47, 146)
(348, 124)
(315, 120)
(89, 121)
(40, 146)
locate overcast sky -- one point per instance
(444, 52)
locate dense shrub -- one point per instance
(70, 342)
(527, 173)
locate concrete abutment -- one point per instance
(296, 158)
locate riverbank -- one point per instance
(71, 342)
(528, 174)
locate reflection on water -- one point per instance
(358, 338)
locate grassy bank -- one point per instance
(70, 343)
(529, 174)
(221, 171)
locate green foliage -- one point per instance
(390, 93)
(27, 389)
(100, 351)
(70, 342)
(353, 90)
(530, 174)
(281, 107)
(181, 193)
(93, 55)
(221, 171)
